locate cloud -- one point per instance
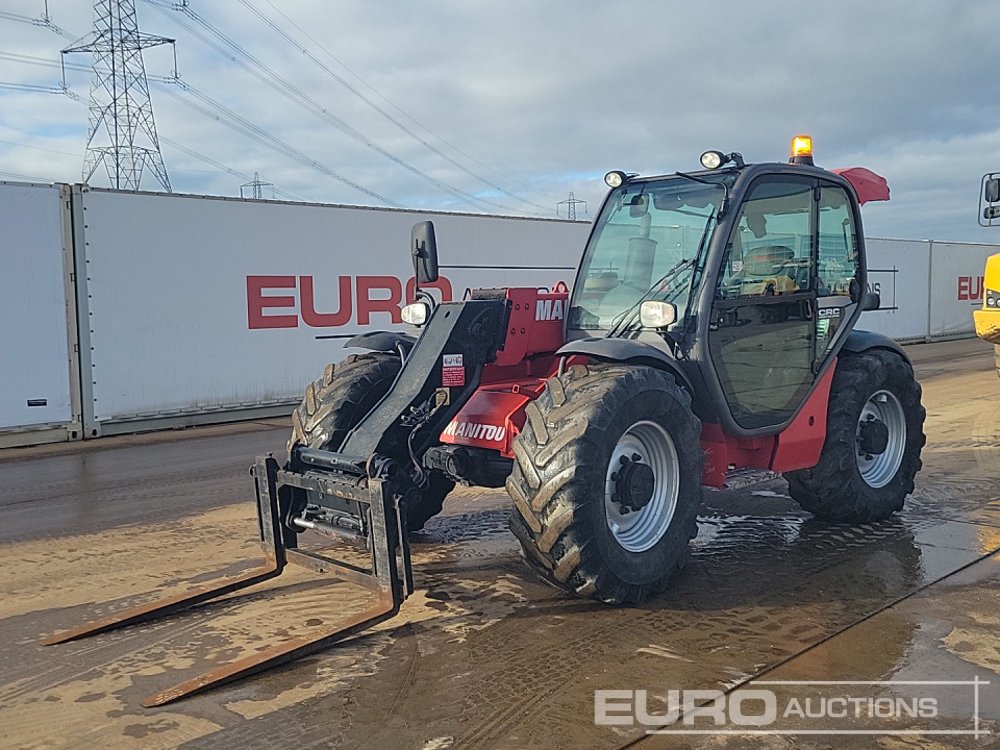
(540, 99)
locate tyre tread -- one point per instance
(833, 489)
(549, 480)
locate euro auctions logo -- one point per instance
(792, 707)
(742, 708)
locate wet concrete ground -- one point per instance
(484, 655)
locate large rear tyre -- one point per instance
(607, 481)
(337, 402)
(874, 435)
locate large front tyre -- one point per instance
(873, 439)
(335, 404)
(607, 481)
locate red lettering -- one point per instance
(324, 320)
(387, 298)
(976, 286)
(963, 287)
(367, 305)
(971, 287)
(257, 302)
(442, 285)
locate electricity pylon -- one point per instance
(256, 188)
(571, 205)
(122, 133)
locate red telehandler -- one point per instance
(710, 329)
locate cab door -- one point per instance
(838, 276)
(762, 332)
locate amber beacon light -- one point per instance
(802, 150)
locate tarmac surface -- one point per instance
(484, 655)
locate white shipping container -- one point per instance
(956, 287)
(36, 389)
(199, 304)
(899, 271)
(191, 306)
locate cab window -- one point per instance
(838, 243)
(771, 251)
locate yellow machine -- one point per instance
(988, 319)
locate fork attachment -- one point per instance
(281, 514)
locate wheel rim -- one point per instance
(639, 530)
(879, 469)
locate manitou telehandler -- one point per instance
(710, 329)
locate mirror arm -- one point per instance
(416, 252)
(420, 294)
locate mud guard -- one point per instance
(861, 341)
(627, 350)
(382, 341)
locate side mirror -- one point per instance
(423, 245)
(871, 301)
(654, 314)
(991, 190)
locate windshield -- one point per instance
(649, 234)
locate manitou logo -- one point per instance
(550, 309)
(474, 431)
(368, 294)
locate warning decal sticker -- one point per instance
(452, 370)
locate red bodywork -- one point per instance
(798, 446)
(494, 414)
(868, 185)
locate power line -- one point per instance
(35, 87)
(44, 21)
(402, 112)
(173, 144)
(241, 125)
(216, 111)
(16, 17)
(223, 168)
(333, 74)
(43, 62)
(25, 177)
(239, 55)
(38, 148)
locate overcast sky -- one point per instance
(507, 107)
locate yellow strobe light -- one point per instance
(802, 145)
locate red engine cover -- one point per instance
(536, 323)
(493, 416)
(495, 412)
